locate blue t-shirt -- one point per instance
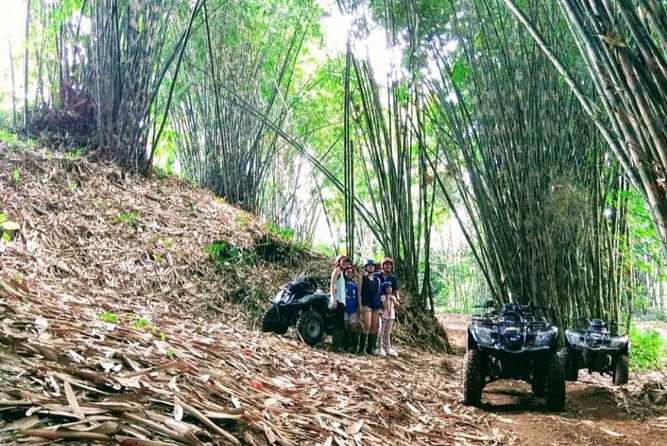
(388, 278)
(370, 292)
(350, 297)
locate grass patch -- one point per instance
(225, 253)
(140, 322)
(7, 137)
(107, 316)
(129, 217)
(74, 154)
(647, 350)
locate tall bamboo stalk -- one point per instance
(26, 64)
(13, 82)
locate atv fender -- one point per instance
(318, 302)
(472, 344)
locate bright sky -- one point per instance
(12, 30)
(385, 59)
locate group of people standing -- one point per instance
(365, 305)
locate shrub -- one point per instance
(647, 350)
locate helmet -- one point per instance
(387, 260)
(386, 285)
(340, 258)
(369, 262)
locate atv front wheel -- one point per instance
(555, 384)
(569, 359)
(621, 371)
(311, 327)
(538, 384)
(473, 377)
(271, 322)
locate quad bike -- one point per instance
(303, 304)
(596, 345)
(512, 342)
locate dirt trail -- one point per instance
(593, 415)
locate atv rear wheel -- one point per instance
(570, 367)
(311, 327)
(555, 384)
(271, 322)
(621, 371)
(473, 377)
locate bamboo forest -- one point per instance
(333, 222)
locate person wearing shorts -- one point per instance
(368, 295)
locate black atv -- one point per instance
(302, 303)
(512, 342)
(596, 345)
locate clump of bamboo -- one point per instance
(527, 163)
(623, 49)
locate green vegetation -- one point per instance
(224, 253)
(129, 217)
(74, 154)
(107, 316)
(283, 233)
(325, 250)
(7, 228)
(140, 322)
(648, 350)
(167, 243)
(7, 137)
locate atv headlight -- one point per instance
(486, 335)
(278, 297)
(542, 338)
(617, 342)
(283, 297)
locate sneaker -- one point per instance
(392, 352)
(381, 352)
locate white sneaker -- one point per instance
(392, 352)
(381, 352)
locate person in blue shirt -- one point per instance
(368, 299)
(387, 274)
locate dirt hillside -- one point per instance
(116, 324)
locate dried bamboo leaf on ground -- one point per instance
(89, 299)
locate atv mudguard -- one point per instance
(318, 302)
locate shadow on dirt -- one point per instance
(593, 403)
(584, 401)
(506, 401)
